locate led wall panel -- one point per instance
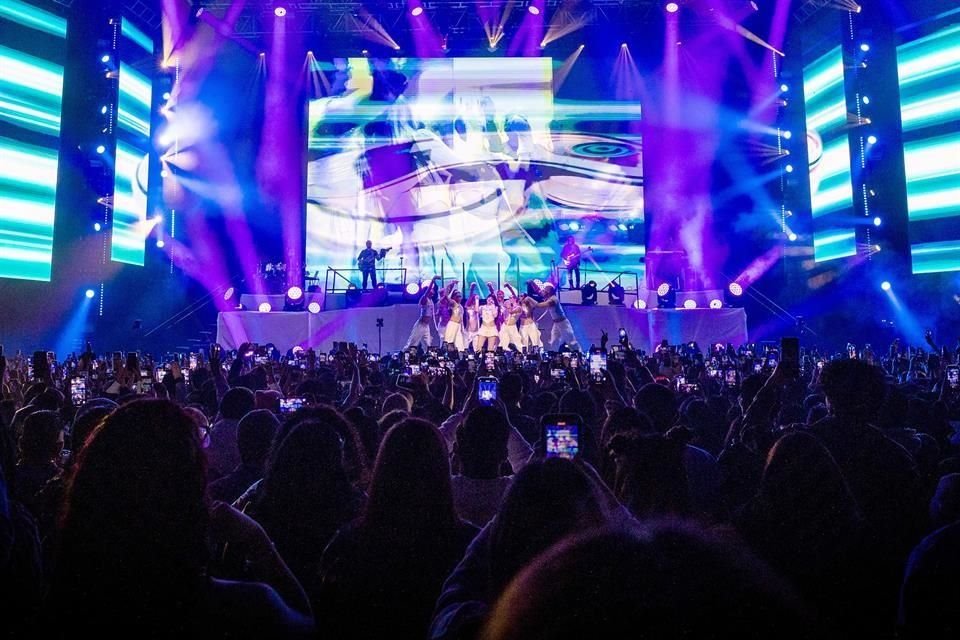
(131, 223)
(32, 50)
(831, 183)
(929, 73)
(470, 161)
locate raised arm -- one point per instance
(509, 287)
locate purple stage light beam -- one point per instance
(426, 41)
(279, 164)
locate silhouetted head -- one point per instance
(663, 581)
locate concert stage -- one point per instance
(645, 327)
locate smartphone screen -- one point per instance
(953, 376)
(598, 364)
(158, 374)
(78, 391)
(289, 405)
(487, 390)
(730, 378)
(558, 374)
(561, 437)
(193, 361)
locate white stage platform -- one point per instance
(646, 328)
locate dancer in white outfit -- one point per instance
(453, 311)
(562, 331)
(472, 311)
(510, 312)
(424, 331)
(489, 334)
(529, 331)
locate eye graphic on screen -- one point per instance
(469, 162)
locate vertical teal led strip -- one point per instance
(929, 70)
(31, 100)
(831, 186)
(131, 172)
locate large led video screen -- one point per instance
(470, 163)
(828, 147)
(132, 159)
(929, 72)
(32, 51)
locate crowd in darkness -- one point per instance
(725, 493)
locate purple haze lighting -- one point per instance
(672, 7)
(314, 307)
(264, 307)
(716, 304)
(294, 293)
(663, 289)
(736, 289)
(689, 303)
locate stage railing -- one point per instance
(336, 277)
(340, 280)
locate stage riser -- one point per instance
(359, 325)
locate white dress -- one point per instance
(453, 333)
(488, 324)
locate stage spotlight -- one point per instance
(294, 299)
(101, 149)
(871, 139)
(640, 304)
(416, 11)
(228, 294)
(90, 293)
(672, 7)
(280, 12)
(883, 285)
(615, 294)
(792, 237)
(97, 226)
(265, 307)
(689, 303)
(865, 99)
(314, 307)
(623, 45)
(160, 244)
(105, 58)
(534, 9)
(784, 87)
(103, 109)
(736, 289)
(667, 299)
(716, 304)
(352, 295)
(864, 47)
(588, 293)
(166, 95)
(574, 226)
(788, 168)
(413, 288)
(787, 135)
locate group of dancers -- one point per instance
(504, 319)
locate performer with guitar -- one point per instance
(367, 261)
(570, 256)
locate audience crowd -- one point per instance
(725, 493)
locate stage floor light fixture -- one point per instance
(616, 294)
(588, 293)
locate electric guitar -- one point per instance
(572, 261)
(371, 262)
